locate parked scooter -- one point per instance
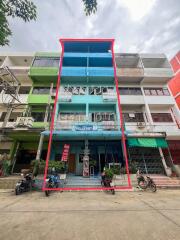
(107, 183)
(52, 181)
(145, 182)
(24, 185)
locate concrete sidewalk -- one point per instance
(90, 215)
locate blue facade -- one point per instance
(86, 110)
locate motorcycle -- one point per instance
(145, 183)
(24, 185)
(107, 183)
(52, 181)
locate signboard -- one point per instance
(65, 153)
(85, 127)
(86, 166)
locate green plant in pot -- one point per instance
(109, 173)
(116, 169)
(6, 164)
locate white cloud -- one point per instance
(136, 25)
(137, 8)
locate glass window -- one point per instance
(133, 117)
(130, 91)
(46, 62)
(147, 91)
(2, 116)
(41, 90)
(38, 116)
(153, 92)
(135, 91)
(99, 117)
(72, 117)
(24, 90)
(124, 91)
(156, 91)
(75, 90)
(14, 116)
(162, 117)
(160, 92)
(166, 92)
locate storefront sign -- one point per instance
(85, 128)
(65, 152)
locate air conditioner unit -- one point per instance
(141, 124)
(132, 115)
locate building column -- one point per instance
(166, 168)
(14, 154)
(118, 117)
(147, 110)
(87, 112)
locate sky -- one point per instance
(138, 26)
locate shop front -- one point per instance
(147, 154)
(101, 153)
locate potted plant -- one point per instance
(6, 164)
(109, 173)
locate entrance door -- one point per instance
(102, 162)
(71, 163)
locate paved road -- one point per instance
(91, 215)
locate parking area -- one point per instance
(90, 215)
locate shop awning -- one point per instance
(147, 142)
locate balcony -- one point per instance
(45, 67)
(38, 99)
(156, 68)
(20, 123)
(134, 75)
(137, 128)
(19, 70)
(41, 74)
(129, 68)
(6, 98)
(156, 75)
(86, 126)
(159, 100)
(87, 55)
(24, 122)
(43, 125)
(132, 100)
(79, 130)
(170, 129)
(87, 71)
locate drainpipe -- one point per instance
(87, 112)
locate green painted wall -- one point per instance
(40, 124)
(38, 99)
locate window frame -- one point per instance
(162, 117)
